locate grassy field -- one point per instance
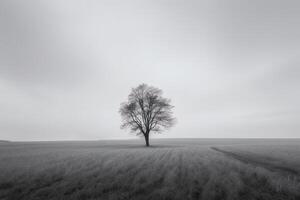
(170, 169)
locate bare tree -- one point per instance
(146, 111)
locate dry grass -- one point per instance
(171, 169)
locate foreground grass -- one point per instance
(171, 169)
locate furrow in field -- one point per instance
(248, 160)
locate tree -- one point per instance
(146, 111)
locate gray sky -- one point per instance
(231, 68)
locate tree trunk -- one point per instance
(147, 139)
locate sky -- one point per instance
(231, 68)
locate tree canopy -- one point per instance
(146, 111)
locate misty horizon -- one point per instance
(230, 69)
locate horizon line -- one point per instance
(124, 139)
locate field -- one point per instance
(169, 169)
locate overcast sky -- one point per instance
(231, 68)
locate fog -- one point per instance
(230, 68)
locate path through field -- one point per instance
(256, 162)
